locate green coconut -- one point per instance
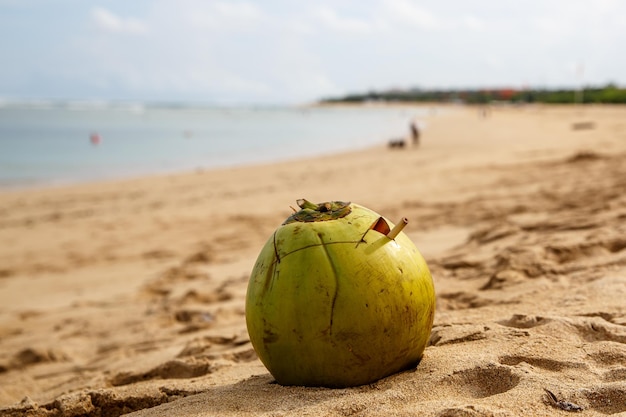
(339, 297)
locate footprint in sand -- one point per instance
(471, 411)
(597, 329)
(605, 345)
(235, 348)
(33, 356)
(504, 279)
(523, 321)
(615, 375)
(172, 369)
(461, 333)
(611, 359)
(607, 399)
(6, 273)
(103, 402)
(194, 320)
(542, 363)
(609, 354)
(588, 328)
(483, 381)
(464, 299)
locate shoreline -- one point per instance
(138, 145)
(124, 178)
(436, 110)
(128, 296)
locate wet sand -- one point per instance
(128, 296)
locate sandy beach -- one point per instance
(128, 296)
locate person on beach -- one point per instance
(415, 134)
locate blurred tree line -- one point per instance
(610, 93)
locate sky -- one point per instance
(280, 51)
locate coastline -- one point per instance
(156, 140)
(128, 295)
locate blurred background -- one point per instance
(95, 61)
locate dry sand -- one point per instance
(129, 296)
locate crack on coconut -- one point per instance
(318, 244)
(272, 272)
(276, 249)
(332, 266)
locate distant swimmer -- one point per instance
(95, 139)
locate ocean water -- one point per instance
(43, 144)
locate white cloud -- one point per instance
(329, 18)
(110, 22)
(223, 16)
(299, 27)
(473, 23)
(409, 12)
(553, 29)
(284, 50)
(242, 11)
(305, 83)
(494, 62)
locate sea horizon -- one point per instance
(57, 142)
